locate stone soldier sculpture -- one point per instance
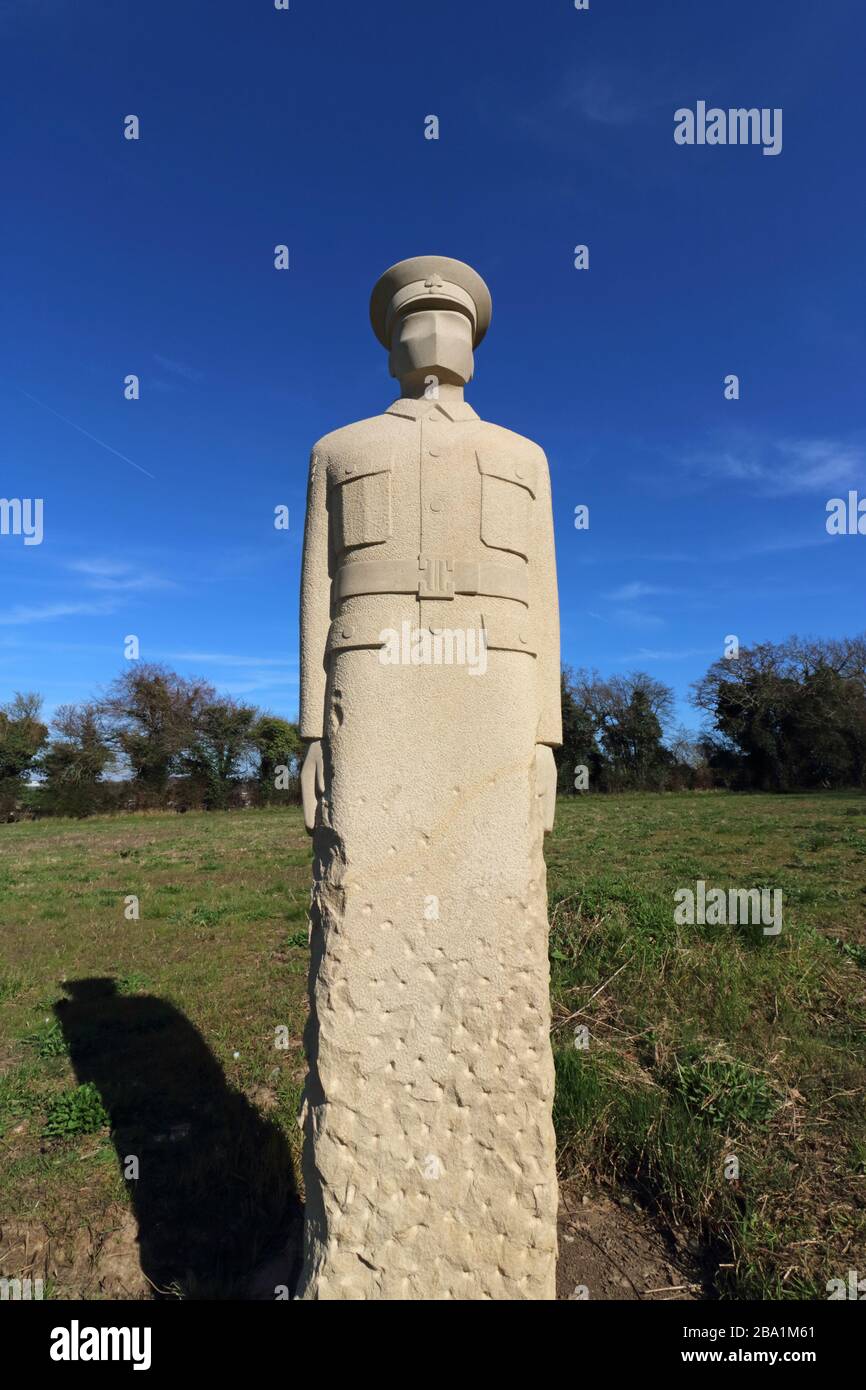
(430, 697)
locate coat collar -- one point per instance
(418, 409)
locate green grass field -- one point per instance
(184, 1027)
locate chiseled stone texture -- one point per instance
(429, 1153)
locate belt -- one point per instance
(431, 577)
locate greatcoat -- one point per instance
(429, 1149)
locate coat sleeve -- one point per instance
(315, 603)
(544, 601)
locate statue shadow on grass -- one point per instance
(216, 1198)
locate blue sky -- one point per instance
(306, 127)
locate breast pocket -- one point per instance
(507, 499)
(362, 505)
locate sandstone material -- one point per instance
(428, 784)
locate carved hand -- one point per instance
(312, 783)
(545, 782)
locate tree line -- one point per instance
(788, 715)
(778, 717)
(155, 740)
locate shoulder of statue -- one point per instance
(498, 437)
(358, 434)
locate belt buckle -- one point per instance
(436, 577)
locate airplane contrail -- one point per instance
(86, 433)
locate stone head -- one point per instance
(430, 312)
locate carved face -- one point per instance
(432, 342)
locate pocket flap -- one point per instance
(508, 634)
(347, 633)
(510, 468)
(349, 472)
(362, 503)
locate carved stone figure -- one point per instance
(430, 696)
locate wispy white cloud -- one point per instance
(106, 568)
(230, 659)
(626, 593)
(633, 617)
(118, 577)
(181, 369)
(256, 687)
(247, 675)
(604, 97)
(782, 544)
(49, 612)
(670, 654)
(782, 466)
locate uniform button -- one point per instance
(523, 637)
(434, 453)
(348, 632)
(518, 472)
(436, 504)
(349, 468)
